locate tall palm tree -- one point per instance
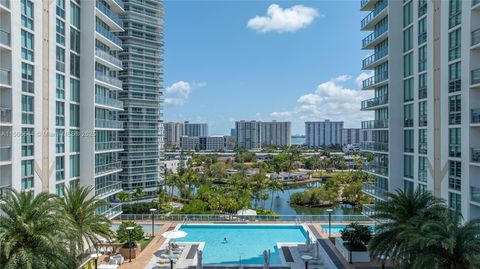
(80, 208)
(401, 211)
(33, 232)
(275, 186)
(446, 244)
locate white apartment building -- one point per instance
(248, 134)
(430, 50)
(323, 133)
(173, 131)
(59, 96)
(208, 143)
(195, 129)
(276, 134)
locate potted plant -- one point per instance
(123, 237)
(353, 242)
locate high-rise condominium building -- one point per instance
(276, 134)
(248, 134)
(142, 75)
(323, 133)
(60, 113)
(430, 50)
(173, 131)
(195, 129)
(356, 136)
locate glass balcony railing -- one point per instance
(4, 189)
(112, 211)
(371, 188)
(475, 114)
(5, 115)
(108, 13)
(109, 35)
(374, 146)
(5, 154)
(5, 3)
(102, 123)
(368, 209)
(475, 37)
(119, 2)
(379, 169)
(110, 189)
(101, 100)
(371, 37)
(108, 79)
(475, 77)
(376, 101)
(5, 38)
(476, 155)
(109, 167)
(374, 13)
(475, 194)
(113, 145)
(108, 57)
(374, 124)
(5, 77)
(374, 57)
(371, 81)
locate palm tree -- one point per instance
(275, 186)
(401, 211)
(88, 227)
(123, 197)
(446, 244)
(33, 232)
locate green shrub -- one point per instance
(139, 208)
(122, 235)
(359, 238)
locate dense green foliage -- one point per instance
(139, 208)
(358, 238)
(122, 234)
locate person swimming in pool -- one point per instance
(225, 240)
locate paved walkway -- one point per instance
(146, 255)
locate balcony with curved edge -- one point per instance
(380, 11)
(108, 80)
(110, 18)
(375, 124)
(375, 59)
(375, 102)
(375, 81)
(5, 155)
(374, 146)
(373, 190)
(108, 124)
(108, 190)
(109, 168)
(5, 39)
(5, 116)
(377, 36)
(475, 39)
(104, 35)
(475, 117)
(108, 59)
(108, 146)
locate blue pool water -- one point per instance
(337, 228)
(147, 228)
(245, 242)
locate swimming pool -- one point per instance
(337, 228)
(244, 242)
(147, 228)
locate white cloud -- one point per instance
(359, 79)
(179, 92)
(283, 20)
(330, 100)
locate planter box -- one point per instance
(357, 256)
(126, 252)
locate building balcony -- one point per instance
(5, 77)
(5, 115)
(374, 146)
(109, 58)
(408, 123)
(5, 38)
(108, 146)
(112, 211)
(375, 16)
(109, 36)
(375, 124)
(375, 59)
(375, 168)
(375, 102)
(475, 116)
(372, 189)
(374, 81)
(476, 39)
(375, 37)
(110, 102)
(107, 168)
(476, 4)
(116, 5)
(475, 194)
(475, 157)
(108, 190)
(108, 124)
(4, 189)
(367, 4)
(368, 209)
(109, 16)
(108, 79)
(5, 154)
(5, 3)
(475, 77)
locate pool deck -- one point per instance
(147, 258)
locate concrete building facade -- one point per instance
(323, 133)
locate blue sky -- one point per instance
(264, 60)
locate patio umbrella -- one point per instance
(316, 254)
(308, 239)
(266, 260)
(199, 259)
(174, 234)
